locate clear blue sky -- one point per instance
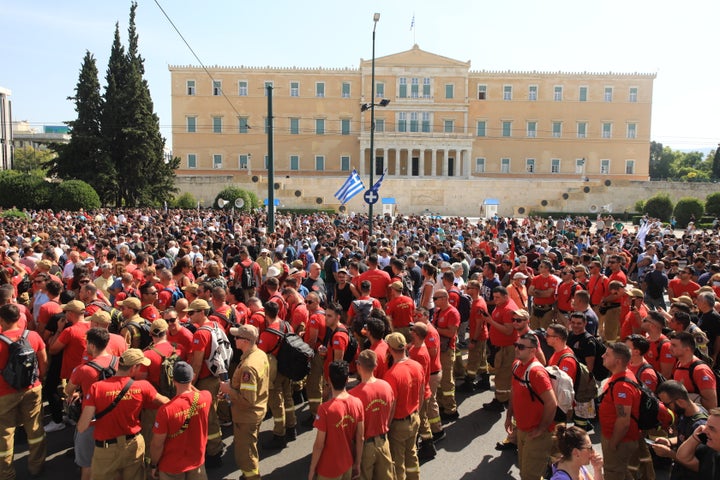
(42, 44)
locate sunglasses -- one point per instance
(171, 320)
(84, 282)
(518, 320)
(522, 347)
(437, 298)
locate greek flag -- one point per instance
(376, 187)
(352, 186)
(412, 23)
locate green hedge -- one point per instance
(686, 208)
(306, 211)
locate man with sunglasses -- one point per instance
(532, 405)
(502, 337)
(177, 334)
(447, 322)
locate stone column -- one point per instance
(361, 172)
(446, 153)
(433, 162)
(398, 154)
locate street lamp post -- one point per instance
(376, 17)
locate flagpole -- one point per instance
(376, 17)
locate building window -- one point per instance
(530, 165)
(449, 126)
(583, 94)
(632, 97)
(414, 87)
(607, 130)
(555, 165)
(243, 162)
(192, 160)
(629, 167)
(532, 129)
(320, 89)
(402, 122)
(190, 87)
(402, 90)
(379, 125)
(632, 130)
(426, 122)
(414, 122)
(605, 166)
(217, 88)
(346, 90)
(217, 124)
(345, 126)
(294, 89)
(504, 165)
(191, 124)
(268, 84)
(294, 162)
(319, 163)
(426, 87)
(507, 92)
(379, 90)
(479, 165)
(582, 130)
(507, 129)
(557, 129)
(320, 126)
(481, 128)
(579, 165)
(242, 88)
(532, 93)
(557, 93)
(217, 161)
(449, 90)
(608, 94)
(266, 161)
(345, 163)
(243, 125)
(294, 126)
(482, 92)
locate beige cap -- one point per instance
(197, 304)
(396, 341)
(74, 306)
(101, 317)
(248, 332)
(132, 302)
(684, 299)
(158, 326)
(397, 286)
(133, 356)
(192, 288)
(636, 293)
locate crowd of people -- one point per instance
(149, 330)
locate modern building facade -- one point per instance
(444, 121)
(5, 129)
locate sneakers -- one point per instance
(54, 427)
(277, 443)
(290, 434)
(495, 406)
(214, 461)
(437, 436)
(483, 383)
(505, 445)
(449, 417)
(426, 451)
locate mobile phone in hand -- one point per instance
(703, 438)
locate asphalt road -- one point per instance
(467, 453)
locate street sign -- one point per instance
(371, 197)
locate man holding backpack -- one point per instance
(23, 363)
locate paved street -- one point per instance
(466, 453)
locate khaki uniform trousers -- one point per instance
(543, 321)
(314, 383)
(196, 474)
(503, 372)
(446, 395)
(345, 476)
(376, 462)
(124, 458)
(477, 359)
(459, 366)
(280, 399)
(147, 419)
(26, 408)
(214, 440)
(616, 461)
(246, 452)
(403, 434)
(533, 454)
(610, 324)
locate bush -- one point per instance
(186, 201)
(712, 204)
(15, 213)
(640, 206)
(230, 194)
(687, 207)
(74, 195)
(24, 190)
(659, 206)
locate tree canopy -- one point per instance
(669, 164)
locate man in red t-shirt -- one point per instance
(477, 342)
(119, 448)
(682, 285)
(407, 380)
(178, 442)
(314, 335)
(619, 406)
(658, 354)
(400, 309)
(71, 341)
(533, 414)
(377, 399)
(418, 351)
(697, 377)
(23, 404)
(256, 274)
(379, 279)
(432, 342)
(502, 336)
(375, 330)
(177, 334)
(340, 423)
(632, 323)
(447, 322)
(543, 290)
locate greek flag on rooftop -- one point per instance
(352, 186)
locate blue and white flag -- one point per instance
(352, 186)
(376, 187)
(412, 22)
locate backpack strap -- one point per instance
(526, 380)
(7, 340)
(691, 369)
(576, 380)
(191, 413)
(610, 387)
(115, 402)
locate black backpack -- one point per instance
(294, 356)
(352, 347)
(143, 327)
(21, 370)
(649, 404)
(166, 385)
(105, 372)
(464, 305)
(363, 310)
(116, 318)
(660, 377)
(247, 279)
(691, 369)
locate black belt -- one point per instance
(435, 372)
(404, 418)
(113, 441)
(565, 312)
(372, 439)
(543, 308)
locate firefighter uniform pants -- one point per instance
(503, 372)
(214, 441)
(246, 452)
(447, 383)
(26, 408)
(403, 434)
(533, 454)
(313, 384)
(280, 399)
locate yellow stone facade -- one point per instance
(444, 120)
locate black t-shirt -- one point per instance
(583, 346)
(685, 428)
(710, 324)
(656, 283)
(709, 463)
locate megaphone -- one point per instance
(222, 202)
(239, 203)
